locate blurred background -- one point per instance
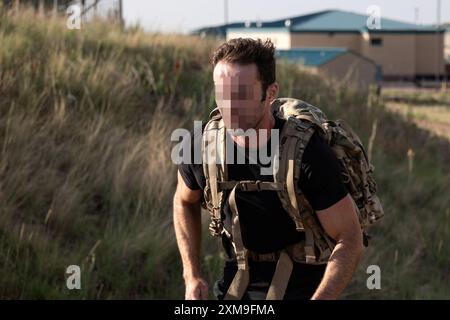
(86, 114)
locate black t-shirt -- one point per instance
(265, 225)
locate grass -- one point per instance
(86, 176)
(436, 119)
(428, 108)
(419, 96)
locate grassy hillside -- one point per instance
(86, 176)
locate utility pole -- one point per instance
(17, 6)
(225, 11)
(41, 8)
(83, 8)
(438, 38)
(55, 8)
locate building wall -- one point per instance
(352, 41)
(401, 56)
(281, 39)
(396, 55)
(447, 46)
(430, 54)
(351, 70)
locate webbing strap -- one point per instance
(314, 236)
(290, 183)
(238, 285)
(280, 278)
(215, 170)
(248, 185)
(223, 153)
(294, 151)
(210, 161)
(241, 279)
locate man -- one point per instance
(245, 87)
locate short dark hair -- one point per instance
(247, 51)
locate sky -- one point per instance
(184, 16)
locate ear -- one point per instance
(272, 91)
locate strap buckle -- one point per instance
(241, 259)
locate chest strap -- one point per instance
(249, 185)
(284, 265)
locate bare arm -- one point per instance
(340, 221)
(187, 223)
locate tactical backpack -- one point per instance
(302, 120)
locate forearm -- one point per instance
(343, 263)
(187, 223)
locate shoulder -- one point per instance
(320, 174)
(191, 169)
(318, 149)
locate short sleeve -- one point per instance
(192, 172)
(187, 173)
(320, 177)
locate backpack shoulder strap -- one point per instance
(293, 140)
(214, 168)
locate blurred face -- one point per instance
(238, 94)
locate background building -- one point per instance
(340, 64)
(403, 51)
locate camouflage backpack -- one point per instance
(303, 120)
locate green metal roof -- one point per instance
(338, 21)
(310, 56)
(326, 21)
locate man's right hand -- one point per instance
(196, 289)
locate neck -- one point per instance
(266, 124)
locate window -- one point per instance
(376, 42)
